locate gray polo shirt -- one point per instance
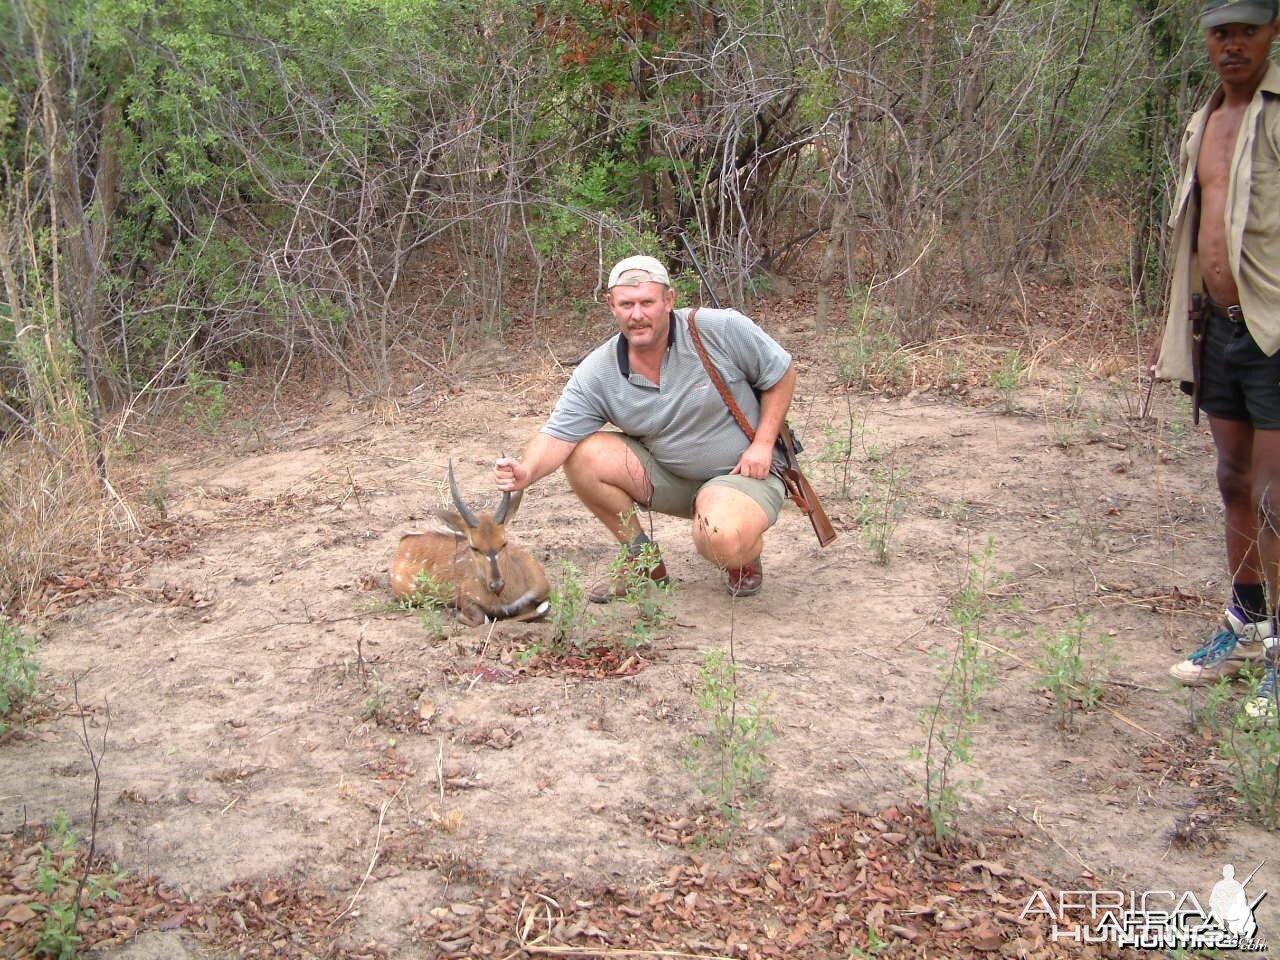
(683, 421)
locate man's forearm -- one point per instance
(545, 455)
(774, 404)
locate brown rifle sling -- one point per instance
(718, 381)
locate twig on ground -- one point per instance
(1115, 713)
(373, 859)
(1034, 819)
(95, 760)
(440, 775)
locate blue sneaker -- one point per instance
(1225, 653)
(1265, 704)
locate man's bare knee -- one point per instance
(1233, 484)
(592, 454)
(722, 534)
(727, 537)
(605, 459)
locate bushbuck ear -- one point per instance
(451, 520)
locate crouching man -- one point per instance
(676, 448)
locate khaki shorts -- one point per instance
(675, 496)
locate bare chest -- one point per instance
(1217, 147)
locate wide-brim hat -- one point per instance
(1218, 12)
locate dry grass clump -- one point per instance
(47, 506)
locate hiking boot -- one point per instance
(1236, 644)
(1265, 704)
(634, 569)
(746, 581)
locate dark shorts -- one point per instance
(675, 496)
(1237, 380)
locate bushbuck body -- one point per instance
(474, 569)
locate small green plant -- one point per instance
(1084, 526)
(875, 945)
(966, 677)
(430, 598)
(838, 452)
(1071, 671)
(18, 671)
(157, 492)
(1169, 436)
(628, 623)
(1200, 953)
(62, 897)
(1005, 377)
(1207, 715)
(870, 357)
(569, 616)
(1251, 746)
(1076, 420)
(376, 699)
(1073, 405)
(841, 441)
(206, 402)
(732, 755)
(881, 509)
(651, 600)
(1065, 431)
(434, 619)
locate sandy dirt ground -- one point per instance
(272, 713)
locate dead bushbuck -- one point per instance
(474, 569)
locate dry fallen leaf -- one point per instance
(20, 914)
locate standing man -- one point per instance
(679, 451)
(1227, 246)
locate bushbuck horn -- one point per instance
(468, 517)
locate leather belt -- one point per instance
(1232, 313)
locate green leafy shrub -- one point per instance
(966, 677)
(64, 895)
(732, 755)
(870, 358)
(18, 670)
(1006, 377)
(1251, 745)
(1071, 669)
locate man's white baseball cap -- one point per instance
(634, 271)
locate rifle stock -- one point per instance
(802, 493)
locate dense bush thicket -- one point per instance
(188, 184)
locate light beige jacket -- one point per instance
(1253, 228)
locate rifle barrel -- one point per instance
(706, 283)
